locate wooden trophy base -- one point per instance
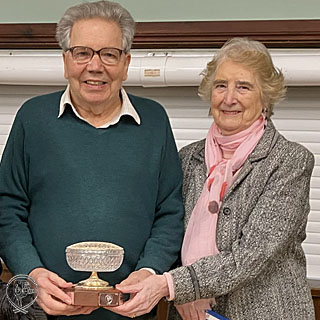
(95, 297)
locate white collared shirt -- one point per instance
(126, 108)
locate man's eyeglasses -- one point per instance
(108, 56)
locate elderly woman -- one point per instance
(246, 193)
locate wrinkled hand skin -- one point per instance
(51, 298)
(135, 277)
(146, 294)
(194, 310)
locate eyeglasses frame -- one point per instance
(121, 51)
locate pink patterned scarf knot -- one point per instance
(200, 237)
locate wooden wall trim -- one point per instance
(174, 35)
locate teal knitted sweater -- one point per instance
(63, 181)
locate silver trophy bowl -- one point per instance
(94, 256)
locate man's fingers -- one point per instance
(58, 293)
(88, 310)
(52, 299)
(59, 281)
(55, 307)
(51, 305)
(50, 283)
(80, 310)
(47, 286)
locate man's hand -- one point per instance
(147, 294)
(51, 298)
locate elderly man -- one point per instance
(92, 163)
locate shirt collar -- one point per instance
(126, 109)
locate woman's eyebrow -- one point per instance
(245, 83)
(217, 81)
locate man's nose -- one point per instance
(230, 96)
(95, 63)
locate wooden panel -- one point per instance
(28, 35)
(6, 275)
(315, 291)
(212, 34)
(201, 34)
(162, 310)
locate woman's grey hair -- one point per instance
(255, 56)
(110, 11)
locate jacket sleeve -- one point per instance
(16, 246)
(279, 214)
(164, 244)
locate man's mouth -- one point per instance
(95, 83)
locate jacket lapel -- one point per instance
(261, 151)
(196, 180)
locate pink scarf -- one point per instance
(200, 237)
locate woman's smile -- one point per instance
(235, 99)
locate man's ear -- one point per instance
(126, 66)
(64, 56)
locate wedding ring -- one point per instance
(133, 315)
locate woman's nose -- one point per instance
(230, 96)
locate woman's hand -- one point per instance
(194, 310)
(147, 294)
(135, 277)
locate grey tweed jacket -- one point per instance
(260, 272)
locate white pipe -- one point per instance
(159, 68)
